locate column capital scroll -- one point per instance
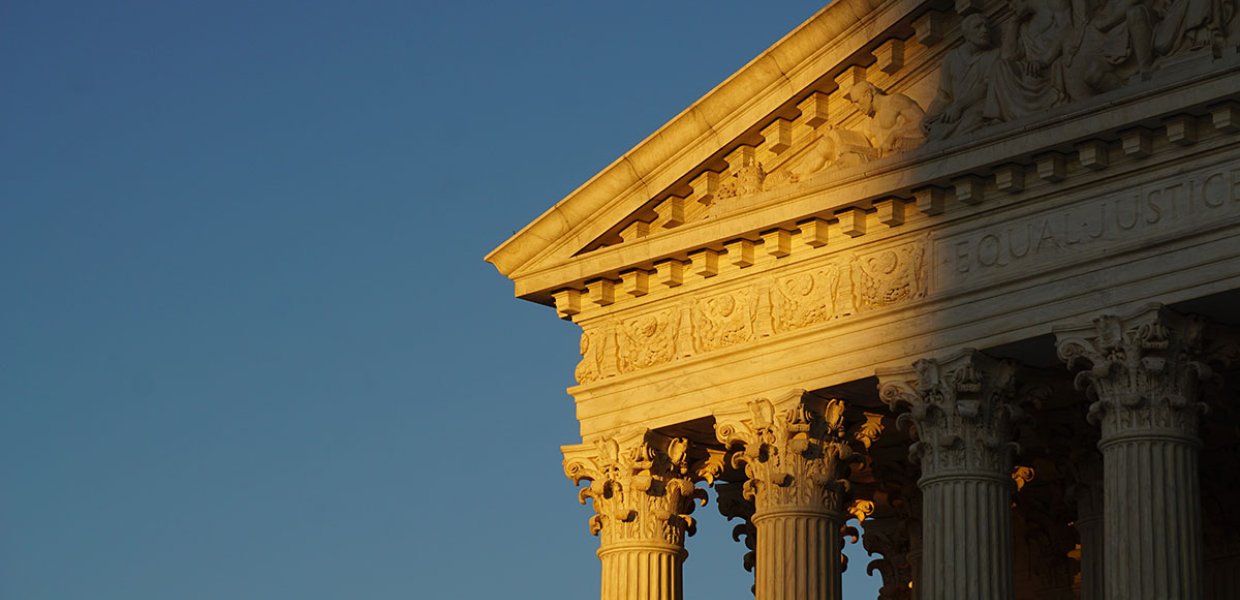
(642, 488)
(794, 459)
(961, 410)
(1143, 372)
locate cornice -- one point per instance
(926, 179)
(724, 114)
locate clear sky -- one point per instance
(248, 345)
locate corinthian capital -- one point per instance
(796, 457)
(1141, 372)
(642, 489)
(961, 411)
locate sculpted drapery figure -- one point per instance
(1188, 25)
(958, 107)
(1116, 40)
(1030, 78)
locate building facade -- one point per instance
(965, 274)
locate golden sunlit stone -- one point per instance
(790, 333)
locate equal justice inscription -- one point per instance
(1189, 201)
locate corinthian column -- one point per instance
(1143, 376)
(961, 412)
(795, 462)
(643, 495)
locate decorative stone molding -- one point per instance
(962, 412)
(889, 538)
(733, 505)
(873, 280)
(796, 460)
(642, 491)
(1144, 374)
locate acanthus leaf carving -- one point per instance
(961, 412)
(1142, 372)
(797, 457)
(888, 537)
(641, 491)
(733, 505)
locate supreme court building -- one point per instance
(969, 273)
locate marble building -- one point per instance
(967, 273)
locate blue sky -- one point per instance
(250, 348)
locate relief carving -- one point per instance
(1114, 43)
(894, 119)
(644, 491)
(1190, 25)
(1030, 76)
(888, 277)
(647, 340)
(962, 412)
(837, 147)
(805, 299)
(799, 457)
(593, 351)
(724, 320)
(1053, 51)
(745, 181)
(893, 125)
(958, 106)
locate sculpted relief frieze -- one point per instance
(1033, 57)
(806, 298)
(723, 320)
(780, 304)
(1181, 204)
(647, 340)
(888, 277)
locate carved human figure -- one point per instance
(957, 108)
(895, 119)
(1117, 39)
(837, 147)
(1188, 25)
(1029, 78)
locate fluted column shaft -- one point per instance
(961, 410)
(1153, 518)
(795, 461)
(642, 571)
(643, 494)
(967, 529)
(1144, 373)
(798, 555)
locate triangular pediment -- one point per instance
(853, 114)
(701, 137)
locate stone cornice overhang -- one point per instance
(1174, 265)
(1147, 104)
(818, 47)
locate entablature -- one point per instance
(1080, 140)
